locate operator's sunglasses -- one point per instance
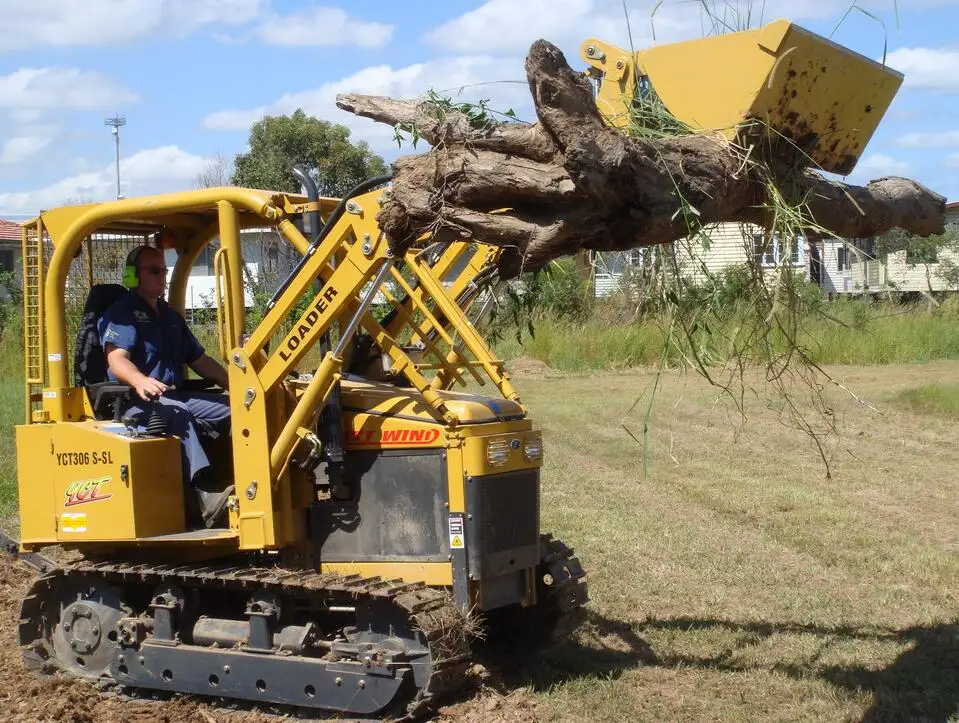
(155, 270)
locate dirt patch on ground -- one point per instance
(487, 699)
(527, 367)
(493, 707)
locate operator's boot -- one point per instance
(213, 506)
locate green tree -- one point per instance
(919, 249)
(11, 299)
(924, 251)
(278, 143)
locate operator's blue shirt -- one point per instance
(159, 342)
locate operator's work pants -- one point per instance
(188, 415)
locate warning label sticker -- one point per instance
(73, 522)
(457, 535)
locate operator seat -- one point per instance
(107, 396)
(89, 360)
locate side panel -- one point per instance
(396, 512)
(96, 485)
(156, 480)
(502, 492)
(35, 474)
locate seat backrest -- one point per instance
(89, 361)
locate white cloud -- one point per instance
(878, 165)
(64, 23)
(944, 139)
(447, 75)
(156, 170)
(34, 89)
(187, 15)
(930, 68)
(795, 9)
(22, 148)
(25, 115)
(324, 26)
(510, 26)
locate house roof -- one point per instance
(9, 231)
(951, 205)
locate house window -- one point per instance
(795, 250)
(866, 245)
(7, 260)
(842, 259)
(203, 264)
(764, 250)
(633, 258)
(773, 250)
(615, 263)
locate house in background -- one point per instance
(854, 266)
(718, 247)
(10, 244)
(264, 250)
(837, 266)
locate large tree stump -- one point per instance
(570, 182)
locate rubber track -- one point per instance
(432, 611)
(568, 594)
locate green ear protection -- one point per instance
(131, 275)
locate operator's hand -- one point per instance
(149, 388)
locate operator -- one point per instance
(146, 345)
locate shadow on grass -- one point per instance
(603, 648)
(921, 684)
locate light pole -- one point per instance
(115, 122)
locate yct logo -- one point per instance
(87, 490)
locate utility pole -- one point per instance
(115, 122)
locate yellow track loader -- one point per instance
(375, 509)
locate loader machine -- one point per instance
(368, 523)
(380, 510)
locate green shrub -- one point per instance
(937, 398)
(839, 332)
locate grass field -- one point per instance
(845, 332)
(735, 582)
(11, 412)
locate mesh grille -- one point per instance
(100, 261)
(509, 510)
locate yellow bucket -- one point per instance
(826, 98)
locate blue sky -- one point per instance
(192, 75)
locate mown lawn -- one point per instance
(737, 582)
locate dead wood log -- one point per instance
(570, 182)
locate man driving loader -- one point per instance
(147, 345)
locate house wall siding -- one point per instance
(718, 247)
(891, 273)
